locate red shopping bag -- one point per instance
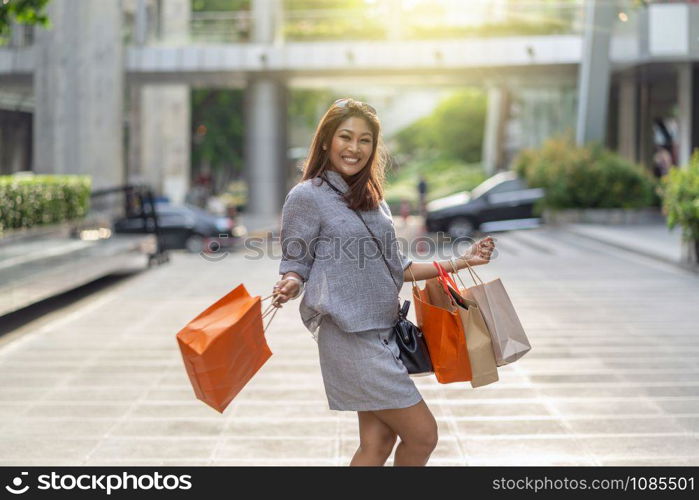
(224, 347)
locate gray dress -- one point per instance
(350, 302)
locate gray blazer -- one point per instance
(324, 241)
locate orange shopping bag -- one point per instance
(441, 324)
(224, 347)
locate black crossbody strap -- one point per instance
(376, 241)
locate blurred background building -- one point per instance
(116, 88)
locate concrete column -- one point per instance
(628, 118)
(645, 125)
(175, 17)
(595, 72)
(134, 163)
(265, 150)
(496, 120)
(395, 27)
(685, 107)
(160, 133)
(165, 139)
(267, 19)
(141, 22)
(265, 127)
(78, 89)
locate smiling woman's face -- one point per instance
(351, 146)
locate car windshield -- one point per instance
(186, 209)
(490, 183)
(199, 211)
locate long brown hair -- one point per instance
(366, 187)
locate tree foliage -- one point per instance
(28, 12)
(306, 106)
(218, 132)
(680, 198)
(324, 4)
(220, 5)
(454, 129)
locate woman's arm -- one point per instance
(300, 227)
(478, 255)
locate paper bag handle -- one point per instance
(471, 271)
(270, 311)
(410, 270)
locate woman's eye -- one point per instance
(347, 138)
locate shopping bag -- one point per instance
(478, 340)
(508, 338)
(224, 347)
(441, 325)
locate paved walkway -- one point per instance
(612, 378)
(653, 240)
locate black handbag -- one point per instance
(412, 345)
(411, 342)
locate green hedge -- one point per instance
(585, 177)
(680, 193)
(42, 199)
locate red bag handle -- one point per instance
(444, 278)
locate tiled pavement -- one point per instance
(612, 378)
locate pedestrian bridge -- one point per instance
(442, 60)
(433, 62)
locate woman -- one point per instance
(351, 291)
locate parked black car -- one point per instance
(502, 197)
(187, 227)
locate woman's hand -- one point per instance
(286, 289)
(480, 252)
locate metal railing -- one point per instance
(374, 20)
(421, 20)
(387, 20)
(18, 36)
(131, 201)
(221, 27)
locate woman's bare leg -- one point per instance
(376, 441)
(417, 429)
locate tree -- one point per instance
(27, 12)
(306, 106)
(218, 132)
(220, 5)
(454, 129)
